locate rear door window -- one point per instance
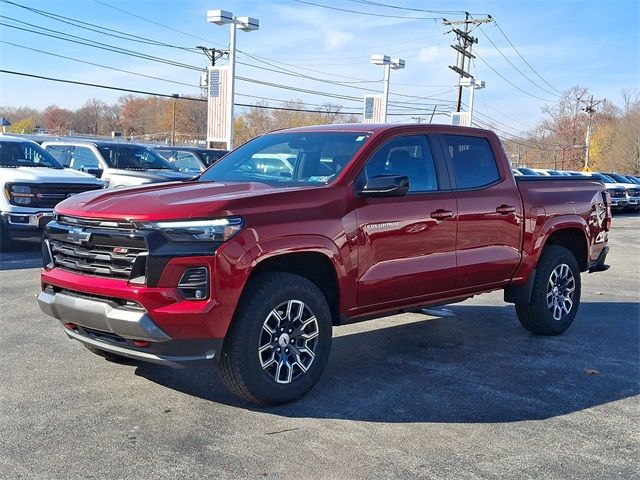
(474, 165)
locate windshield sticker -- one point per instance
(320, 179)
(360, 138)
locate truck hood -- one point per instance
(153, 175)
(46, 175)
(167, 201)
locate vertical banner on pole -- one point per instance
(217, 105)
(373, 109)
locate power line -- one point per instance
(510, 82)
(99, 29)
(358, 12)
(92, 43)
(156, 94)
(153, 22)
(97, 85)
(397, 7)
(100, 65)
(514, 66)
(524, 60)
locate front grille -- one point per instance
(96, 223)
(633, 192)
(48, 195)
(617, 193)
(93, 259)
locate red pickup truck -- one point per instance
(252, 263)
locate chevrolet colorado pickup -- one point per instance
(253, 267)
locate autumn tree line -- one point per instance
(151, 119)
(557, 141)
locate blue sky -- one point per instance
(595, 44)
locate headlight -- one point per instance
(214, 230)
(19, 194)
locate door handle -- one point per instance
(505, 209)
(441, 214)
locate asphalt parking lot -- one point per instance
(463, 393)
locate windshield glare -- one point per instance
(289, 159)
(25, 154)
(134, 157)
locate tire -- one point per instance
(279, 341)
(112, 357)
(555, 297)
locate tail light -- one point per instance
(609, 217)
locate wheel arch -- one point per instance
(312, 265)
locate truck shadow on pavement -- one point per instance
(476, 366)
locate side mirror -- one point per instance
(96, 172)
(385, 186)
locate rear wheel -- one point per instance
(279, 342)
(556, 293)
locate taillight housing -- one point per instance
(608, 221)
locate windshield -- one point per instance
(603, 178)
(618, 178)
(25, 154)
(133, 157)
(289, 159)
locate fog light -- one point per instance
(194, 284)
(70, 326)
(141, 343)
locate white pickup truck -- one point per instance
(32, 183)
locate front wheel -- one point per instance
(279, 342)
(556, 293)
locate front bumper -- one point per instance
(124, 331)
(25, 224)
(619, 202)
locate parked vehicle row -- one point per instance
(624, 190)
(32, 183)
(37, 172)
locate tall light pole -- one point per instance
(246, 24)
(475, 85)
(388, 63)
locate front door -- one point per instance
(406, 245)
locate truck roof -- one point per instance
(11, 138)
(385, 127)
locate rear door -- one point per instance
(489, 207)
(406, 245)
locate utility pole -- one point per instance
(213, 54)
(590, 109)
(173, 128)
(463, 49)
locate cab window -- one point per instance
(474, 165)
(408, 156)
